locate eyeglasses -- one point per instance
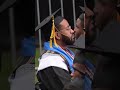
(67, 28)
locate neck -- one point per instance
(62, 45)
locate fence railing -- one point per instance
(50, 12)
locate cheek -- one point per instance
(76, 32)
(91, 26)
(86, 22)
(68, 33)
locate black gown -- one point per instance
(53, 78)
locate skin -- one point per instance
(88, 24)
(65, 36)
(78, 29)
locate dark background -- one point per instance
(24, 24)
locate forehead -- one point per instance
(78, 21)
(64, 23)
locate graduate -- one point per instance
(55, 65)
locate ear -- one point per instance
(57, 35)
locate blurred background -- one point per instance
(16, 25)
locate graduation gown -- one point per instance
(75, 84)
(53, 72)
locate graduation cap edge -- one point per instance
(46, 20)
(95, 50)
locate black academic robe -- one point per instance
(75, 84)
(53, 78)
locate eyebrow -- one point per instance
(65, 27)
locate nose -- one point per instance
(75, 29)
(72, 31)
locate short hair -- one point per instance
(57, 21)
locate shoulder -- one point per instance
(49, 59)
(23, 78)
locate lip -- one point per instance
(73, 37)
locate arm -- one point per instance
(75, 84)
(54, 78)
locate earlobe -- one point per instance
(57, 35)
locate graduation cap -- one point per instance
(95, 50)
(87, 11)
(82, 8)
(82, 15)
(6, 4)
(46, 20)
(55, 22)
(104, 46)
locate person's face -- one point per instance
(90, 34)
(87, 21)
(78, 29)
(67, 34)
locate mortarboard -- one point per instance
(6, 4)
(46, 20)
(82, 8)
(54, 22)
(87, 11)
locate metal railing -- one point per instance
(50, 12)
